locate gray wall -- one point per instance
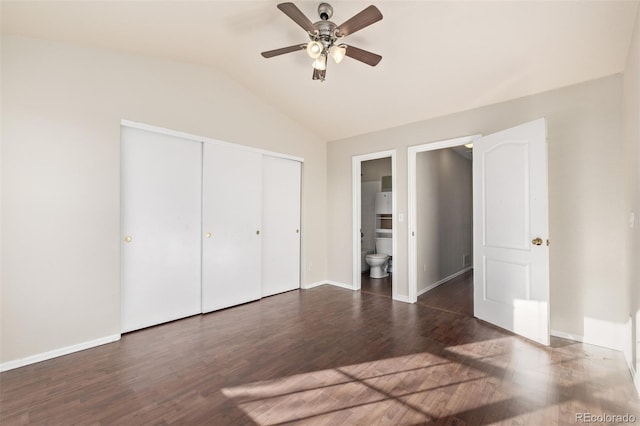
(588, 256)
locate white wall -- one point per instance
(61, 112)
(632, 179)
(444, 201)
(588, 263)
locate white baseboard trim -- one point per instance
(568, 336)
(634, 377)
(402, 298)
(327, 282)
(444, 280)
(312, 285)
(10, 365)
(341, 285)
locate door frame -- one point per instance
(412, 213)
(356, 169)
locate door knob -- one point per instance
(208, 235)
(297, 231)
(536, 241)
(257, 232)
(127, 239)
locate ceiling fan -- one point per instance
(325, 37)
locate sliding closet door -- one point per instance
(161, 205)
(231, 218)
(281, 225)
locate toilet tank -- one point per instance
(384, 246)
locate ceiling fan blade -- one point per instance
(363, 56)
(292, 11)
(361, 20)
(283, 50)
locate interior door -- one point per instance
(511, 256)
(281, 225)
(161, 203)
(231, 220)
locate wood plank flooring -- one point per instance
(456, 295)
(322, 356)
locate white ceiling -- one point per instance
(439, 57)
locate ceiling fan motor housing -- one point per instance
(326, 32)
(325, 11)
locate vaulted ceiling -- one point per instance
(439, 57)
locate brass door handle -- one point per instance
(208, 235)
(127, 239)
(537, 241)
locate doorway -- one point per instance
(437, 271)
(510, 224)
(383, 225)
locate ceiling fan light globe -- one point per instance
(314, 49)
(338, 53)
(320, 63)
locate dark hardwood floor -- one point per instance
(322, 356)
(455, 295)
(379, 286)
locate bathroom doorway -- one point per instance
(374, 223)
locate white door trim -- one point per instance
(356, 169)
(412, 213)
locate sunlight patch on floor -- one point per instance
(394, 390)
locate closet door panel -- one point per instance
(231, 245)
(161, 208)
(281, 225)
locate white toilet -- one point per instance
(378, 261)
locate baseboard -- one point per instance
(327, 282)
(312, 285)
(10, 365)
(444, 280)
(634, 377)
(401, 298)
(568, 336)
(341, 285)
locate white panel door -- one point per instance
(161, 204)
(231, 219)
(510, 204)
(281, 225)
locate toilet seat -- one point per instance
(377, 256)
